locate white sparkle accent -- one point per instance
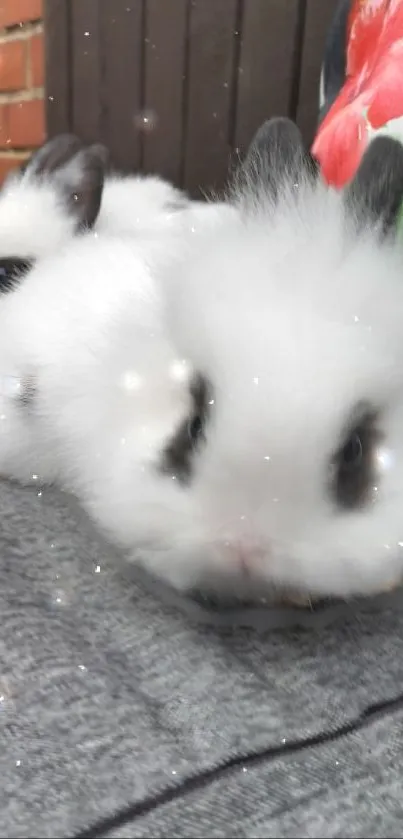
(131, 380)
(86, 34)
(148, 119)
(18, 763)
(256, 380)
(97, 569)
(384, 458)
(400, 544)
(179, 370)
(244, 769)
(174, 772)
(34, 477)
(266, 457)
(82, 667)
(356, 319)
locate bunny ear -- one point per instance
(277, 156)
(77, 173)
(82, 183)
(52, 155)
(375, 195)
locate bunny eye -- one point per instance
(351, 455)
(195, 428)
(11, 272)
(354, 470)
(178, 454)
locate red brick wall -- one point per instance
(22, 118)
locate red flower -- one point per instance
(372, 95)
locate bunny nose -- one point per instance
(245, 553)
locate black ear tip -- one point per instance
(381, 162)
(376, 192)
(55, 153)
(65, 140)
(87, 185)
(281, 125)
(101, 154)
(381, 145)
(279, 130)
(277, 158)
(62, 146)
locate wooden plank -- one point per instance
(212, 40)
(121, 37)
(165, 50)
(269, 46)
(86, 69)
(57, 66)
(318, 17)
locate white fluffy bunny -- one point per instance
(59, 191)
(44, 204)
(229, 409)
(66, 189)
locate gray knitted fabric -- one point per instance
(122, 716)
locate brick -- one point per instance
(12, 65)
(14, 12)
(26, 124)
(4, 127)
(8, 163)
(36, 58)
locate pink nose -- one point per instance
(247, 554)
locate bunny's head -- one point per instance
(42, 205)
(287, 469)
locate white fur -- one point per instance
(148, 208)
(294, 322)
(33, 219)
(133, 204)
(35, 222)
(291, 319)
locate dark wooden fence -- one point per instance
(178, 86)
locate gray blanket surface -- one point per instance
(121, 716)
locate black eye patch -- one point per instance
(12, 270)
(178, 454)
(354, 467)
